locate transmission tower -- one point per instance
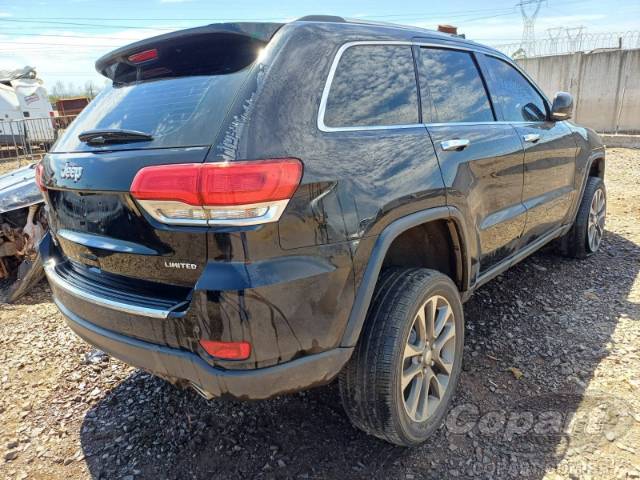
(554, 38)
(575, 36)
(528, 43)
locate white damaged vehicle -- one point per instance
(25, 110)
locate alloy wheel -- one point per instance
(428, 358)
(597, 214)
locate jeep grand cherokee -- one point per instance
(251, 209)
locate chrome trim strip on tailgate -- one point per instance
(58, 281)
(104, 243)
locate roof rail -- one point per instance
(321, 18)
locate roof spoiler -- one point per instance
(259, 33)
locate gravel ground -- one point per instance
(550, 389)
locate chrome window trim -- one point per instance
(334, 65)
(327, 87)
(458, 124)
(58, 281)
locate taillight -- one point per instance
(39, 177)
(230, 193)
(227, 350)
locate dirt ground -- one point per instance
(7, 165)
(550, 389)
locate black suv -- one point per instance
(256, 208)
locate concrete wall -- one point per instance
(605, 86)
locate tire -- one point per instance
(370, 384)
(576, 243)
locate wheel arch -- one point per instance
(454, 221)
(597, 166)
(594, 166)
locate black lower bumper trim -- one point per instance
(309, 371)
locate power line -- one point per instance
(431, 15)
(64, 35)
(54, 21)
(454, 13)
(124, 40)
(485, 18)
(465, 12)
(78, 24)
(510, 11)
(65, 44)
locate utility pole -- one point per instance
(528, 43)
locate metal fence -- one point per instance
(28, 139)
(568, 42)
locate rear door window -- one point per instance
(451, 87)
(513, 94)
(373, 85)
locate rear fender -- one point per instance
(594, 156)
(389, 234)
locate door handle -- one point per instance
(531, 137)
(456, 144)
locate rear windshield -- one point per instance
(177, 112)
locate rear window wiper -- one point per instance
(115, 135)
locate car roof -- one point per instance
(262, 32)
(399, 32)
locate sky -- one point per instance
(63, 38)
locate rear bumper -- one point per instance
(287, 307)
(308, 371)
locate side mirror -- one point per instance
(562, 106)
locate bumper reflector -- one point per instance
(227, 350)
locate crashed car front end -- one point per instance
(22, 225)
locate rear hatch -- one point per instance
(168, 98)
